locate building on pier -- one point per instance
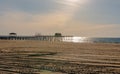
(13, 34)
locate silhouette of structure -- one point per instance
(13, 34)
(58, 34)
(56, 37)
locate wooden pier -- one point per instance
(41, 38)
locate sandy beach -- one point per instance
(42, 57)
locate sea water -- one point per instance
(93, 40)
(104, 40)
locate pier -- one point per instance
(56, 37)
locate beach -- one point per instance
(45, 57)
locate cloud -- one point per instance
(78, 28)
(100, 12)
(22, 22)
(30, 6)
(25, 24)
(50, 16)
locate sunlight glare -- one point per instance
(78, 39)
(72, 0)
(76, 1)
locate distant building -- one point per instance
(58, 34)
(13, 34)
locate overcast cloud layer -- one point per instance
(88, 18)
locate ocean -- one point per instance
(92, 40)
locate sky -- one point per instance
(86, 18)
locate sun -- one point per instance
(77, 1)
(72, 1)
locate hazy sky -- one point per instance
(88, 18)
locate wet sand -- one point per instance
(38, 57)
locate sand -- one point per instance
(42, 57)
